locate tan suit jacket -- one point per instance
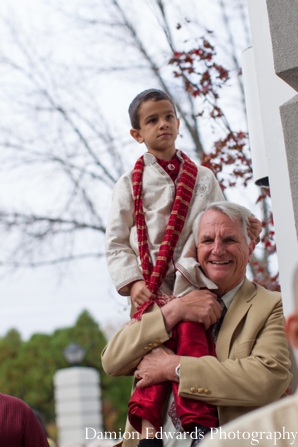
(252, 364)
(274, 424)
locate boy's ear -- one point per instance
(136, 135)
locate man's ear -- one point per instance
(136, 135)
(292, 329)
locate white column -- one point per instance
(77, 404)
(272, 93)
(254, 118)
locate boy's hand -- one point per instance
(199, 306)
(140, 293)
(254, 229)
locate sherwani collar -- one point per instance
(236, 312)
(149, 159)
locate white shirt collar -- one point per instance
(229, 296)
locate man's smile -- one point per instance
(219, 262)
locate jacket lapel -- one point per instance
(237, 310)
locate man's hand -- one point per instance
(157, 366)
(254, 229)
(140, 293)
(199, 306)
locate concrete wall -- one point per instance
(283, 20)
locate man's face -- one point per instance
(159, 128)
(223, 252)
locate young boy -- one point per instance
(152, 214)
(154, 122)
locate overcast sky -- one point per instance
(47, 298)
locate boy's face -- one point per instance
(159, 128)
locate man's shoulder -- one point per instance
(14, 408)
(279, 417)
(266, 293)
(260, 294)
(12, 402)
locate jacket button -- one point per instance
(192, 390)
(146, 348)
(151, 345)
(200, 390)
(207, 391)
(158, 341)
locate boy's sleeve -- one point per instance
(216, 194)
(121, 257)
(188, 275)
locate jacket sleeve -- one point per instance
(127, 348)
(121, 257)
(256, 372)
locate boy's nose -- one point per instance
(164, 124)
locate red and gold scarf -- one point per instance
(154, 276)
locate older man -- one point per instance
(252, 364)
(274, 424)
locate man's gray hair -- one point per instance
(232, 210)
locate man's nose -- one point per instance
(218, 247)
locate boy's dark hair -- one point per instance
(151, 93)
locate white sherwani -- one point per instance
(158, 196)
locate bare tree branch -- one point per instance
(55, 133)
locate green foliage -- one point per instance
(27, 369)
